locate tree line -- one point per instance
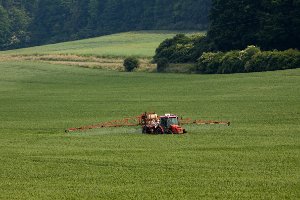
(33, 22)
(269, 25)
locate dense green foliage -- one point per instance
(181, 48)
(273, 60)
(131, 63)
(270, 24)
(29, 22)
(257, 157)
(14, 24)
(252, 59)
(4, 25)
(235, 25)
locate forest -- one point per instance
(34, 22)
(270, 24)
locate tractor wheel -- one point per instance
(170, 132)
(144, 130)
(184, 131)
(159, 130)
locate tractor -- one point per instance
(151, 123)
(167, 124)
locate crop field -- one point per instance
(43, 92)
(257, 157)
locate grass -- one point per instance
(257, 157)
(140, 44)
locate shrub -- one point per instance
(294, 58)
(162, 65)
(273, 60)
(252, 59)
(209, 63)
(249, 52)
(181, 48)
(231, 63)
(256, 62)
(131, 63)
(201, 45)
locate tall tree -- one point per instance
(49, 21)
(233, 23)
(4, 27)
(280, 24)
(19, 27)
(79, 12)
(270, 24)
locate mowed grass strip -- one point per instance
(257, 157)
(93, 62)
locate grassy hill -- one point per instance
(141, 44)
(257, 157)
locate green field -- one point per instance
(141, 44)
(257, 157)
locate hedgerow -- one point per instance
(252, 59)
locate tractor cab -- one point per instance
(170, 124)
(168, 120)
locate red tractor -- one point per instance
(167, 124)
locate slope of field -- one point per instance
(106, 52)
(142, 44)
(257, 157)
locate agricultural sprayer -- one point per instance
(152, 123)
